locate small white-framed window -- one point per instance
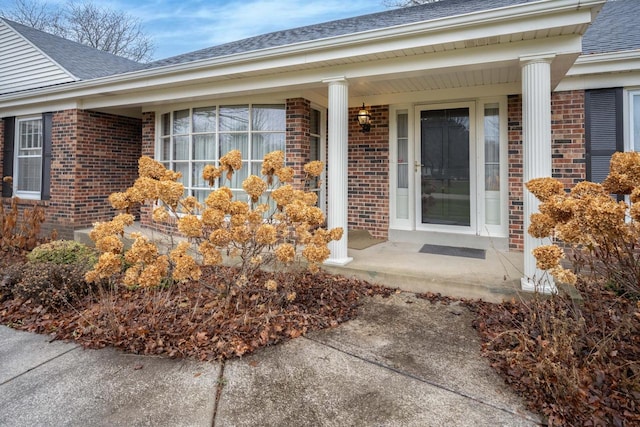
(632, 142)
(191, 138)
(492, 170)
(27, 180)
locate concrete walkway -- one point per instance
(401, 362)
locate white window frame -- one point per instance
(33, 195)
(629, 135)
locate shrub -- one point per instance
(21, 232)
(64, 252)
(10, 276)
(270, 228)
(600, 235)
(48, 284)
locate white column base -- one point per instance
(544, 286)
(340, 262)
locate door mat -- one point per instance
(451, 251)
(361, 239)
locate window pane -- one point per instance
(403, 149)
(492, 134)
(29, 173)
(204, 119)
(180, 122)
(204, 147)
(314, 125)
(183, 168)
(165, 149)
(237, 179)
(234, 141)
(264, 143)
(180, 148)
(30, 133)
(196, 179)
(234, 118)
(268, 117)
(403, 125)
(201, 195)
(314, 148)
(165, 126)
(492, 164)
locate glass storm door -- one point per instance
(444, 170)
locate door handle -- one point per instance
(417, 166)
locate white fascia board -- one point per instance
(527, 16)
(38, 108)
(602, 70)
(606, 63)
(468, 59)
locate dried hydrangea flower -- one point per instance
(314, 168)
(547, 256)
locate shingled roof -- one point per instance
(81, 61)
(615, 29)
(374, 21)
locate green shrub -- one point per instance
(64, 252)
(49, 284)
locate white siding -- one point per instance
(22, 66)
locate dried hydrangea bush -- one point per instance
(599, 233)
(255, 232)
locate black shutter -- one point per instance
(47, 124)
(7, 159)
(603, 130)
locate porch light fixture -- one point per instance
(364, 119)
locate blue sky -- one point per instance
(186, 25)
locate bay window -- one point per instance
(191, 138)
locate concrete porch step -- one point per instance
(403, 266)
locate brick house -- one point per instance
(467, 99)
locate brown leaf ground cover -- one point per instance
(195, 320)
(577, 363)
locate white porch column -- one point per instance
(536, 142)
(337, 166)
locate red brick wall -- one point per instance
(369, 173)
(148, 149)
(567, 136)
(298, 137)
(568, 152)
(516, 224)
